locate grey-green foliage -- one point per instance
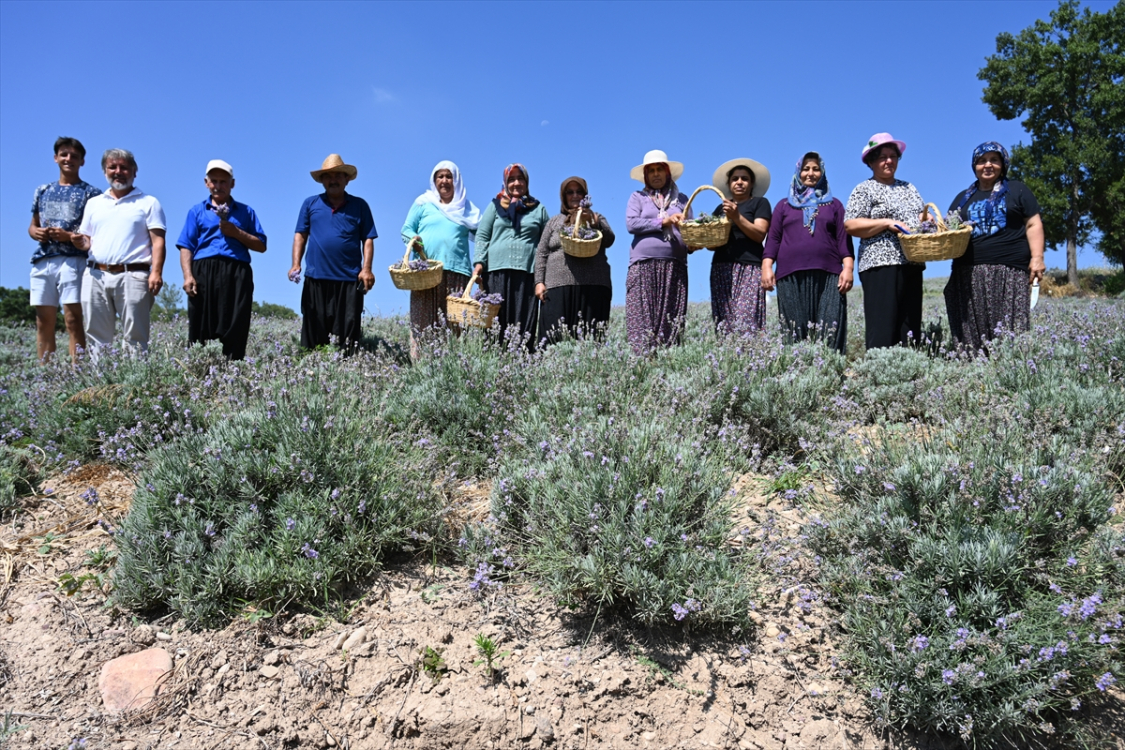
(18, 478)
(286, 503)
(982, 591)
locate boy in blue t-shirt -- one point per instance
(57, 265)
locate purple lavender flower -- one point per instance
(920, 643)
(678, 611)
(309, 552)
(290, 524)
(948, 676)
(649, 542)
(1105, 681)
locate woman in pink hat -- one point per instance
(878, 211)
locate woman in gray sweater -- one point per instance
(573, 292)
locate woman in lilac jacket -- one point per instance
(656, 284)
(814, 258)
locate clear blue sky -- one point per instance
(566, 88)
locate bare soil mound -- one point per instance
(401, 670)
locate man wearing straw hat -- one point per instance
(338, 232)
(215, 250)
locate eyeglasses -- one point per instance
(579, 193)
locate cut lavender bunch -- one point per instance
(414, 265)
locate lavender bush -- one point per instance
(287, 502)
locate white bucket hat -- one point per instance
(656, 157)
(761, 176)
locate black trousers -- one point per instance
(519, 312)
(220, 308)
(892, 304)
(331, 308)
(567, 308)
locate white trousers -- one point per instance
(107, 295)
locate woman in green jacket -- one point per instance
(506, 241)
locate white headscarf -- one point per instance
(460, 209)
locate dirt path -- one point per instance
(568, 681)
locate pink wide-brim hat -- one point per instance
(878, 140)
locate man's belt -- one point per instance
(120, 267)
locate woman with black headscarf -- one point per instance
(507, 238)
(990, 285)
(573, 291)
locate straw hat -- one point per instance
(878, 140)
(334, 163)
(657, 157)
(761, 176)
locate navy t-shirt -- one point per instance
(1004, 241)
(335, 248)
(740, 248)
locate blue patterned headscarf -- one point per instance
(999, 190)
(806, 198)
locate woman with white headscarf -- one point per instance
(443, 218)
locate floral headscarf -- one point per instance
(999, 190)
(664, 199)
(460, 209)
(509, 206)
(809, 199)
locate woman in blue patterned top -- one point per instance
(990, 286)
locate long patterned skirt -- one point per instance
(981, 299)
(656, 293)
(427, 307)
(811, 306)
(738, 302)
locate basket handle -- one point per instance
(941, 225)
(577, 221)
(702, 187)
(467, 295)
(416, 247)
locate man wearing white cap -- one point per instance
(215, 250)
(338, 231)
(123, 233)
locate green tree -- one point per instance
(1066, 78)
(168, 303)
(272, 310)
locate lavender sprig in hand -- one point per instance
(223, 211)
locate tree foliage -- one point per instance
(272, 310)
(1066, 78)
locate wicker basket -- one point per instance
(416, 281)
(466, 311)
(945, 245)
(580, 248)
(710, 235)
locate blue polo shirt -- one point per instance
(335, 248)
(205, 239)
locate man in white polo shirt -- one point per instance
(123, 230)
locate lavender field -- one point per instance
(965, 506)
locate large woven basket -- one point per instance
(711, 235)
(466, 311)
(945, 245)
(416, 281)
(580, 248)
